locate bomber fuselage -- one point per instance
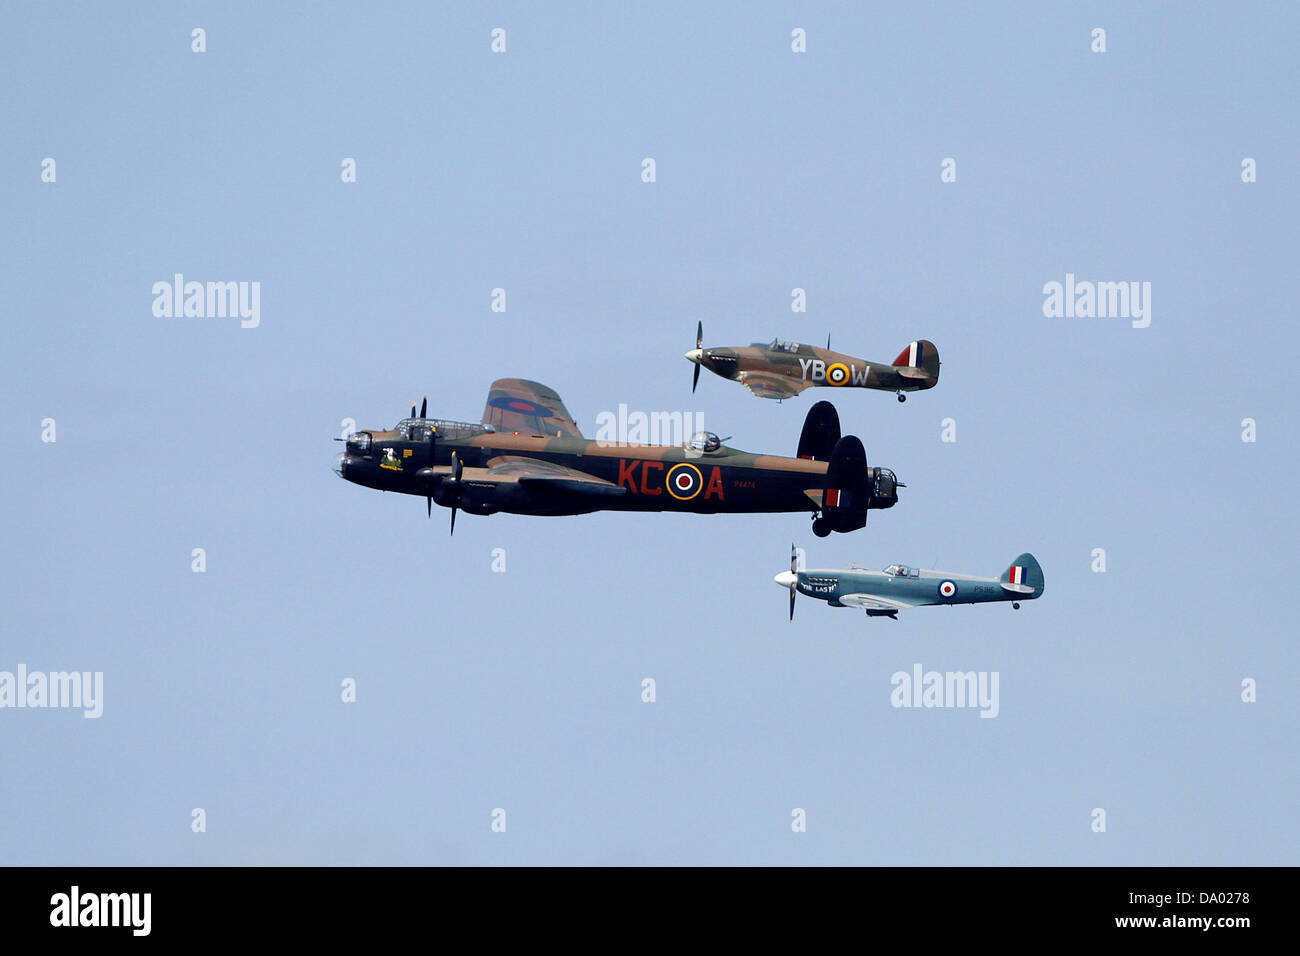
(653, 477)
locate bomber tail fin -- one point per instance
(1024, 577)
(821, 430)
(848, 492)
(920, 360)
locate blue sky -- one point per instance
(522, 690)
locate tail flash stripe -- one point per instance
(832, 497)
(1017, 574)
(910, 356)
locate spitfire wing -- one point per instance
(530, 408)
(545, 474)
(769, 385)
(873, 602)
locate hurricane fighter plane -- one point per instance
(527, 456)
(898, 587)
(782, 370)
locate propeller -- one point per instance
(699, 343)
(456, 468)
(412, 409)
(428, 498)
(794, 566)
(424, 407)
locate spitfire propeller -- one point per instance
(791, 580)
(699, 344)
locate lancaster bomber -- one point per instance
(782, 370)
(898, 587)
(527, 456)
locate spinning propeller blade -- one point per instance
(699, 343)
(794, 565)
(456, 468)
(428, 498)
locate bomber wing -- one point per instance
(770, 385)
(532, 471)
(874, 602)
(530, 408)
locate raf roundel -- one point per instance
(947, 589)
(837, 374)
(684, 482)
(521, 405)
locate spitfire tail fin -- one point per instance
(1024, 577)
(920, 355)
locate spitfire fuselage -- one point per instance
(899, 587)
(917, 590)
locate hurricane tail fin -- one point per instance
(922, 356)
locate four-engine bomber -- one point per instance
(527, 456)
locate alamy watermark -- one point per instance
(65, 689)
(1098, 300)
(954, 689)
(208, 300)
(649, 428)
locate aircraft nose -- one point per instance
(694, 355)
(786, 579)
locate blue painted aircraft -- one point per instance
(898, 587)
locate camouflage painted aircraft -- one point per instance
(898, 587)
(782, 370)
(527, 456)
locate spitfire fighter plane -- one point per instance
(782, 370)
(527, 456)
(898, 587)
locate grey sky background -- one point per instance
(521, 690)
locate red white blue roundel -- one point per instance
(521, 405)
(947, 589)
(684, 482)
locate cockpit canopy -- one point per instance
(902, 571)
(777, 345)
(705, 441)
(417, 429)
